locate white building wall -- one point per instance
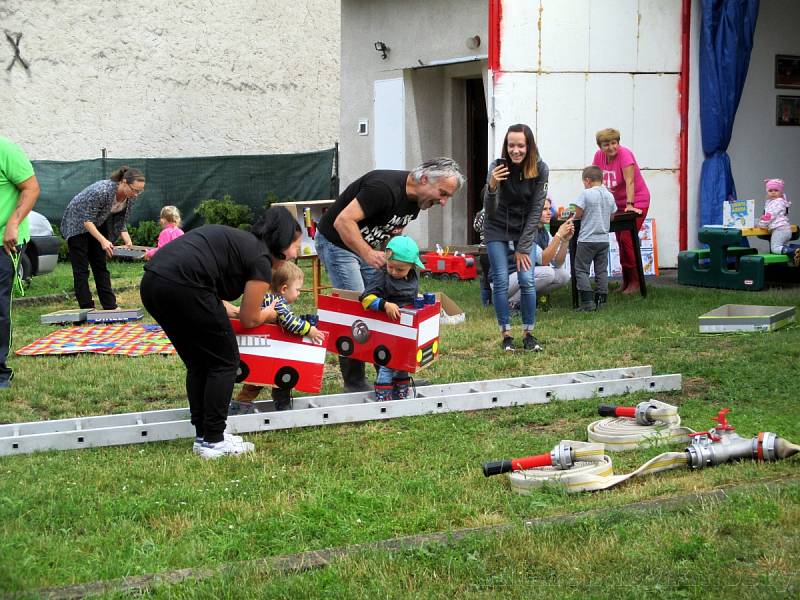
(179, 78)
(570, 68)
(759, 149)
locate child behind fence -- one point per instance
(170, 219)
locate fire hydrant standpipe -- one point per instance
(584, 466)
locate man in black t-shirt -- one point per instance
(353, 232)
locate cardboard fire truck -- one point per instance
(270, 356)
(371, 336)
(449, 266)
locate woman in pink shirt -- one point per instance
(170, 218)
(622, 177)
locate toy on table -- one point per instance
(443, 265)
(311, 224)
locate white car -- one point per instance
(40, 254)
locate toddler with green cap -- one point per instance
(396, 285)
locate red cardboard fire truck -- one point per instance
(270, 356)
(370, 336)
(449, 266)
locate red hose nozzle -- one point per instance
(612, 410)
(561, 457)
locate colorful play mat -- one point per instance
(125, 339)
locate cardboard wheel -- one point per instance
(382, 355)
(242, 372)
(286, 378)
(345, 346)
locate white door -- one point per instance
(389, 124)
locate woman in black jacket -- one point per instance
(513, 198)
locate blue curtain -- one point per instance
(726, 39)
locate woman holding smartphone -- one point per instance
(515, 191)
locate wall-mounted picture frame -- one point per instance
(787, 71)
(787, 110)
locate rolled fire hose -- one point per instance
(650, 423)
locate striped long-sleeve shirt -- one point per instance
(286, 318)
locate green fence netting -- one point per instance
(186, 182)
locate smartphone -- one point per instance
(501, 162)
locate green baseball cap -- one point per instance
(405, 250)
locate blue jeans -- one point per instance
(499, 253)
(347, 270)
(385, 375)
(6, 285)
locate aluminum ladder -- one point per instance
(310, 411)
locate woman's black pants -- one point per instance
(196, 323)
(85, 251)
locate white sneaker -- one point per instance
(198, 442)
(224, 448)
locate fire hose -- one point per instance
(584, 466)
(650, 423)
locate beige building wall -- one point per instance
(165, 79)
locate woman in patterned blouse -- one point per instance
(92, 222)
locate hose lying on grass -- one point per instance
(584, 466)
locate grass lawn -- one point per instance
(99, 514)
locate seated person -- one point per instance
(549, 275)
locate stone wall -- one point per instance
(177, 78)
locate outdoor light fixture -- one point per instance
(382, 48)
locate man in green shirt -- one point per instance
(19, 190)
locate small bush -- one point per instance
(225, 212)
(63, 250)
(145, 234)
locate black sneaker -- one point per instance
(531, 344)
(508, 343)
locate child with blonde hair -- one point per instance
(287, 279)
(776, 219)
(170, 219)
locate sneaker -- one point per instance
(531, 344)
(237, 407)
(226, 447)
(198, 441)
(508, 343)
(383, 392)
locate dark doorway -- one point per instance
(477, 145)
